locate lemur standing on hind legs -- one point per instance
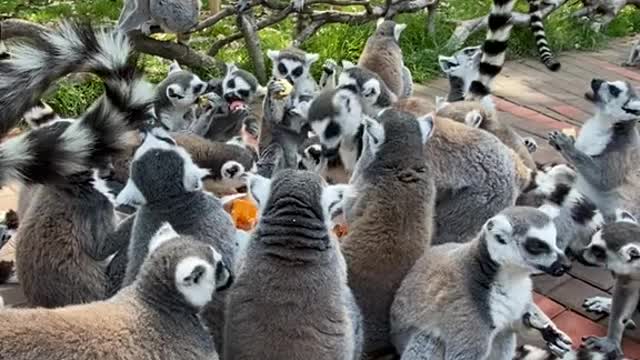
(173, 16)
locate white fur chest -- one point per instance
(593, 137)
(509, 298)
(348, 155)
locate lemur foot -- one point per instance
(602, 344)
(598, 304)
(531, 144)
(560, 141)
(558, 342)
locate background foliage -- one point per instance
(339, 42)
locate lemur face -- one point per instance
(238, 88)
(335, 115)
(368, 85)
(616, 246)
(389, 28)
(184, 88)
(292, 65)
(618, 99)
(525, 238)
(463, 64)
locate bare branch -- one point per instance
(171, 50)
(211, 21)
(247, 22)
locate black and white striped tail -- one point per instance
(494, 48)
(529, 352)
(537, 27)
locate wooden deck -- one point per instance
(535, 101)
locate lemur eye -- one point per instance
(332, 130)
(614, 91)
(197, 89)
(282, 69)
(297, 72)
(231, 84)
(243, 93)
(535, 246)
(598, 252)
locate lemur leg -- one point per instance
(503, 346)
(407, 80)
(460, 214)
(625, 299)
(557, 341)
(423, 347)
(270, 160)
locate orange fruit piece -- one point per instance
(244, 213)
(340, 230)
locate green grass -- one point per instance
(336, 41)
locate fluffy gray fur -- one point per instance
(154, 318)
(173, 16)
(175, 97)
(606, 152)
(382, 55)
(461, 301)
(294, 278)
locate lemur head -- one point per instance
(292, 64)
(372, 89)
(525, 238)
(298, 192)
(335, 114)
(617, 100)
(616, 245)
(239, 87)
(160, 170)
(394, 145)
(182, 272)
(389, 29)
(462, 64)
(181, 88)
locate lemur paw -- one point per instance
(275, 87)
(560, 141)
(557, 341)
(233, 171)
(330, 66)
(314, 153)
(602, 345)
(531, 144)
(597, 304)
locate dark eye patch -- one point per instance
(165, 139)
(332, 130)
(614, 91)
(535, 246)
(231, 84)
(599, 252)
(282, 69)
(197, 89)
(243, 93)
(174, 94)
(297, 72)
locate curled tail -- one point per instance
(537, 27)
(494, 48)
(53, 152)
(72, 47)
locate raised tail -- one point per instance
(53, 152)
(537, 27)
(493, 49)
(73, 47)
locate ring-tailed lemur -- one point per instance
(177, 17)
(606, 153)
(537, 27)
(382, 55)
(634, 55)
(154, 318)
(617, 248)
(459, 173)
(329, 77)
(461, 69)
(528, 352)
(391, 214)
(294, 65)
(294, 275)
(463, 300)
(66, 232)
(166, 186)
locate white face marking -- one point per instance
(346, 79)
(195, 279)
(551, 210)
(240, 89)
(319, 128)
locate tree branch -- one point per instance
(183, 54)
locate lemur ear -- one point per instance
(346, 64)
(259, 187)
(426, 127)
(162, 235)
(441, 103)
(311, 58)
(447, 63)
(379, 22)
(371, 88)
(261, 90)
(231, 67)
(625, 216)
(397, 31)
(631, 252)
(374, 133)
(473, 119)
(499, 227)
(332, 199)
(174, 67)
(193, 177)
(273, 54)
(130, 195)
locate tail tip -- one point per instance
(554, 66)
